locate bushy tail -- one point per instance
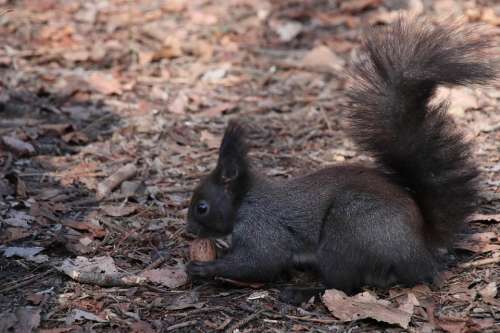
(392, 118)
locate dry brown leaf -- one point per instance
(489, 292)
(141, 327)
(170, 277)
(477, 247)
(172, 48)
(489, 16)
(484, 217)
(13, 234)
(118, 211)
(322, 57)
(18, 146)
(174, 5)
(460, 99)
(287, 30)
(145, 57)
(55, 129)
(77, 138)
(358, 5)
(209, 139)
(179, 104)
(105, 84)
(23, 320)
(77, 55)
(95, 229)
(363, 306)
(451, 325)
(74, 267)
(217, 110)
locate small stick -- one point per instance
(109, 184)
(481, 262)
(244, 321)
(314, 320)
(104, 280)
(181, 325)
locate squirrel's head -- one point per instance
(215, 200)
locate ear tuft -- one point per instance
(233, 150)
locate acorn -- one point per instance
(202, 249)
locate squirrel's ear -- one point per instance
(232, 164)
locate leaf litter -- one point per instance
(111, 113)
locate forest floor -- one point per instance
(110, 112)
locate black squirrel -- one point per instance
(356, 225)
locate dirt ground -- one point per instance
(111, 110)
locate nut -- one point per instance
(202, 250)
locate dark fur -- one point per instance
(359, 226)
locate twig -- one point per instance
(156, 263)
(313, 320)
(27, 282)
(181, 325)
(109, 184)
(244, 321)
(481, 262)
(8, 163)
(105, 280)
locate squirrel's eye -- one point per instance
(202, 208)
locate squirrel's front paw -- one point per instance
(201, 269)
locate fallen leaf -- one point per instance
(145, 57)
(80, 315)
(77, 55)
(484, 217)
(76, 137)
(322, 57)
(141, 327)
(73, 267)
(169, 277)
(22, 252)
(18, 218)
(5, 187)
(93, 227)
(258, 295)
(174, 5)
(21, 320)
(483, 236)
(118, 211)
(55, 129)
(489, 16)
(489, 292)
(214, 74)
(18, 146)
(460, 99)
(172, 48)
(105, 84)
(451, 325)
(358, 5)
(362, 306)
(209, 139)
(13, 234)
(217, 110)
(179, 104)
(287, 30)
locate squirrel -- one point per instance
(359, 225)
